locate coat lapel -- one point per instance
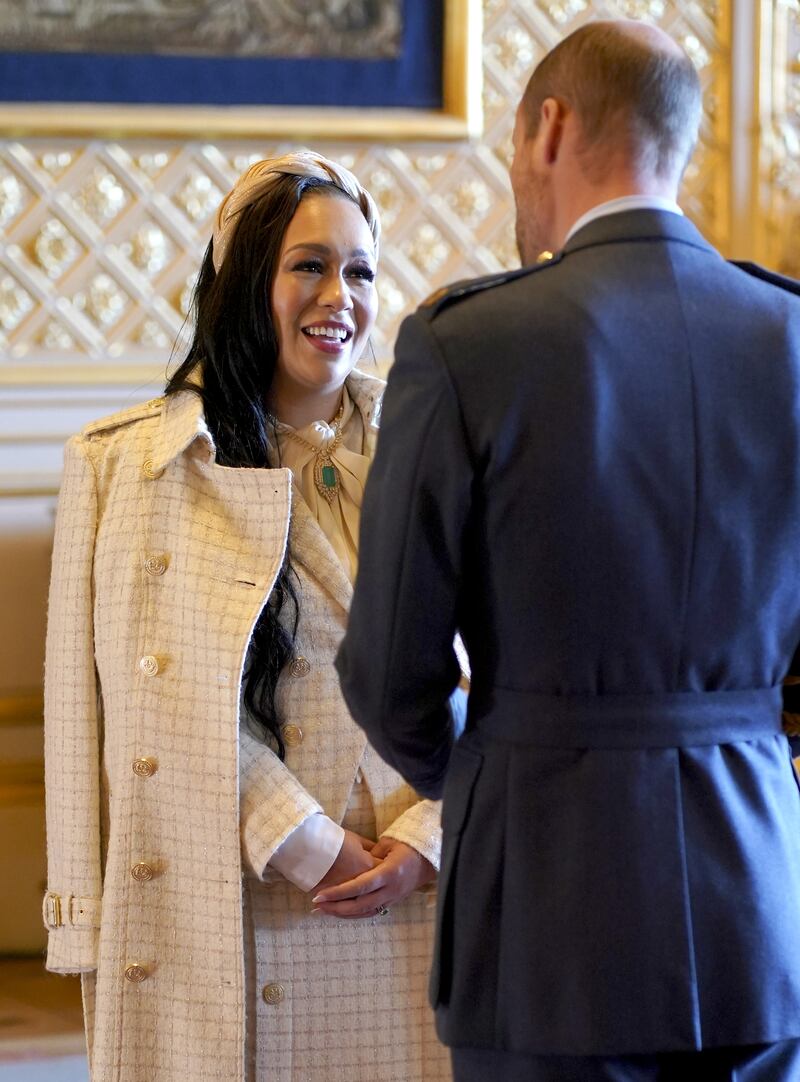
(183, 423)
(310, 547)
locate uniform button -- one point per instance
(148, 665)
(144, 768)
(300, 667)
(149, 470)
(155, 565)
(272, 994)
(135, 974)
(142, 872)
(292, 736)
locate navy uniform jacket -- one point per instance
(591, 470)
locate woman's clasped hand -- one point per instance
(391, 871)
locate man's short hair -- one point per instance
(629, 95)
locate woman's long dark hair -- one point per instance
(235, 351)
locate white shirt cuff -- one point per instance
(309, 851)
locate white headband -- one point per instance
(262, 176)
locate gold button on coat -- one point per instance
(135, 974)
(148, 665)
(142, 872)
(300, 667)
(144, 768)
(149, 470)
(155, 565)
(272, 994)
(292, 736)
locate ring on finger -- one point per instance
(382, 910)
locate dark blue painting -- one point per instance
(192, 64)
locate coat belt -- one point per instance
(674, 719)
(61, 909)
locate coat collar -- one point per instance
(367, 393)
(182, 420)
(637, 225)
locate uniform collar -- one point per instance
(637, 225)
(182, 420)
(625, 202)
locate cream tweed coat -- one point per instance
(158, 808)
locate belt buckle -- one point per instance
(53, 905)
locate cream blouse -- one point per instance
(339, 520)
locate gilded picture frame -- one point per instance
(458, 118)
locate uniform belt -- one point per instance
(675, 719)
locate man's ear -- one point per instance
(551, 130)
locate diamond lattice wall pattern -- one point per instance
(101, 240)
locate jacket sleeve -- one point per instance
(420, 827)
(272, 802)
(397, 664)
(72, 720)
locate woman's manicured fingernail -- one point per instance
(315, 899)
(315, 909)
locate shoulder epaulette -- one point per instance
(467, 287)
(782, 281)
(123, 417)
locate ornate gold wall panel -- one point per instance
(101, 239)
(777, 194)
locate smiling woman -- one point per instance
(324, 306)
(203, 565)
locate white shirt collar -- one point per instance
(626, 202)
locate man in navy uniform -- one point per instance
(590, 468)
